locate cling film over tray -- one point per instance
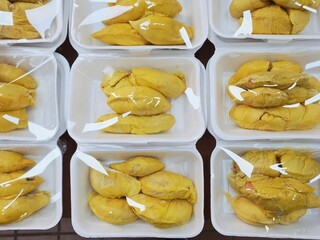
(143, 23)
(19, 198)
(140, 99)
(141, 188)
(274, 96)
(278, 191)
(21, 19)
(277, 16)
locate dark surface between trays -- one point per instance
(64, 230)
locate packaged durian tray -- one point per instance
(266, 189)
(268, 20)
(33, 82)
(145, 106)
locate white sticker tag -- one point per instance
(92, 162)
(314, 99)
(42, 17)
(108, 70)
(89, 127)
(315, 179)
(132, 203)
(312, 65)
(310, 9)
(277, 167)
(193, 99)
(104, 14)
(246, 27)
(244, 165)
(126, 114)
(56, 197)
(40, 167)
(14, 120)
(293, 86)
(296, 105)
(40, 132)
(6, 18)
(185, 37)
(236, 92)
(104, 1)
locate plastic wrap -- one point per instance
(277, 93)
(30, 186)
(135, 100)
(253, 19)
(30, 21)
(137, 24)
(29, 104)
(94, 191)
(278, 198)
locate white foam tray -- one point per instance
(50, 215)
(224, 25)
(87, 102)
(45, 110)
(223, 217)
(54, 33)
(194, 13)
(223, 65)
(86, 224)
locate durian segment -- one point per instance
(139, 166)
(161, 213)
(13, 161)
(169, 84)
(115, 185)
(138, 124)
(161, 30)
(113, 211)
(22, 207)
(168, 185)
(138, 100)
(120, 34)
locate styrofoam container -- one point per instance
(52, 34)
(224, 64)
(224, 25)
(45, 111)
(50, 215)
(187, 162)
(223, 217)
(87, 102)
(194, 14)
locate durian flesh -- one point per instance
(12, 161)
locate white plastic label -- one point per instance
(246, 27)
(104, 14)
(193, 99)
(185, 37)
(89, 127)
(14, 120)
(306, 7)
(135, 204)
(312, 65)
(315, 179)
(42, 17)
(236, 92)
(40, 167)
(40, 132)
(314, 99)
(277, 167)
(56, 197)
(92, 162)
(6, 18)
(244, 165)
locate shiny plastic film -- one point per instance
(139, 189)
(274, 96)
(137, 23)
(138, 100)
(28, 98)
(281, 189)
(271, 20)
(30, 21)
(27, 186)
